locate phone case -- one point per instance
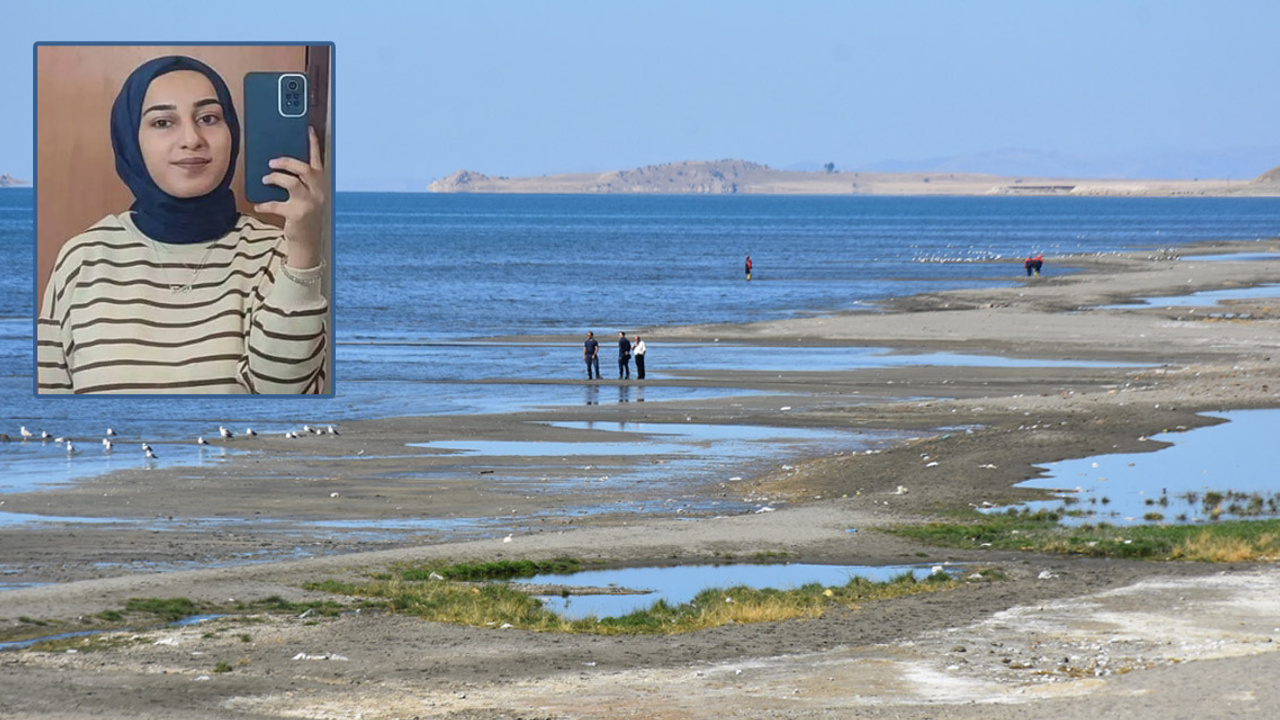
(276, 115)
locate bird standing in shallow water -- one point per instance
(151, 455)
(226, 434)
(201, 441)
(106, 445)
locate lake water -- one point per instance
(1217, 472)
(422, 280)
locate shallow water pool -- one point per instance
(1211, 472)
(680, 584)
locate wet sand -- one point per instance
(242, 525)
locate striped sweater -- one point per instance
(125, 314)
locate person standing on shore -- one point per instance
(748, 266)
(624, 356)
(1029, 265)
(639, 350)
(591, 354)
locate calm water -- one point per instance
(1212, 472)
(680, 584)
(418, 278)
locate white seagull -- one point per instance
(44, 435)
(111, 433)
(333, 430)
(151, 455)
(226, 434)
(146, 448)
(290, 434)
(250, 432)
(71, 449)
(106, 444)
(26, 434)
(201, 441)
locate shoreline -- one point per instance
(1194, 364)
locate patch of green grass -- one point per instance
(277, 604)
(147, 612)
(1225, 541)
(169, 609)
(498, 570)
(222, 667)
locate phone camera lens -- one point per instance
(293, 85)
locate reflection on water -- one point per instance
(681, 584)
(1211, 472)
(1250, 256)
(1204, 298)
(33, 465)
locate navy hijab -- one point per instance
(156, 213)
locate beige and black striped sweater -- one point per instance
(125, 314)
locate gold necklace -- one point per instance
(195, 272)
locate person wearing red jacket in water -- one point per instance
(749, 267)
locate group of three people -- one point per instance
(591, 355)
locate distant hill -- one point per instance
(1271, 176)
(742, 177)
(718, 177)
(7, 180)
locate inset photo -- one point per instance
(183, 219)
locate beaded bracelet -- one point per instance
(314, 274)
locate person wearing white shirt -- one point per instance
(638, 349)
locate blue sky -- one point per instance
(530, 88)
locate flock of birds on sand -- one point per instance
(109, 442)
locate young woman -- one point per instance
(182, 293)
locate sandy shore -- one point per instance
(1135, 639)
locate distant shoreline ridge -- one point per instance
(742, 177)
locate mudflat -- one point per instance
(1061, 636)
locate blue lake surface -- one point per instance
(1173, 482)
(1204, 298)
(421, 280)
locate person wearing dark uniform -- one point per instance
(624, 356)
(639, 349)
(591, 354)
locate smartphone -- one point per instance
(275, 125)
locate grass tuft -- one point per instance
(498, 570)
(1235, 541)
